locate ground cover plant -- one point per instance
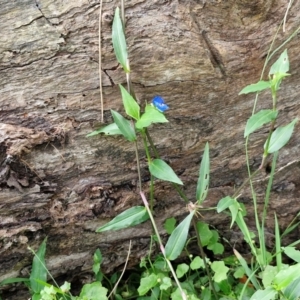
(197, 277)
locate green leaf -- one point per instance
(204, 233)
(268, 294)
(203, 179)
(234, 210)
(97, 261)
(225, 287)
(206, 294)
(178, 238)
(147, 283)
(119, 41)
(124, 125)
(280, 137)
(292, 291)
(14, 280)
(220, 271)
(281, 65)
(259, 119)
(151, 115)
(256, 87)
(268, 274)
(93, 291)
(278, 252)
(239, 272)
(197, 263)
(161, 170)
(131, 107)
(39, 270)
(165, 283)
(111, 129)
(181, 270)
(216, 248)
(248, 271)
(169, 225)
(37, 296)
(130, 217)
(292, 253)
(225, 203)
(177, 295)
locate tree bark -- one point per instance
(198, 55)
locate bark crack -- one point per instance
(39, 8)
(109, 77)
(213, 53)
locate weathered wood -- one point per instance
(197, 54)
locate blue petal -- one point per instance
(160, 104)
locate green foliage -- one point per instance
(200, 278)
(111, 129)
(256, 87)
(203, 179)
(169, 225)
(93, 291)
(280, 137)
(119, 41)
(257, 120)
(124, 126)
(131, 107)
(161, 170)
(178, 238)
(130, 217)
(39, 270)
(150, 116)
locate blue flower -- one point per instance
(159, 103)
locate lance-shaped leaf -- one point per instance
(280, 137)
(269, 293)
(225, 203)
(259, 119)
(281, 65)
(161, 170)
(119, 41)
(203, 179)
(131, 107)
(286, 276)
(248, 271)
(178, 238)
(111, 129)
(130, 217)
(124, 125)
(39, 271)
(256, 87)
(292, 291)
(151, 115)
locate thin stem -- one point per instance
(266, 202)
(251, 176)
(138, 165)
(151, 144)
(144, 137)
(123, 13)
(204, 258)
(162, 247)
(100, 63)
(123, 271)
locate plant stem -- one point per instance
(162, 247)
(138, 165)
(266, 204)
(204, 258)
(100, 62)
(245, 182)
(144, 137)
